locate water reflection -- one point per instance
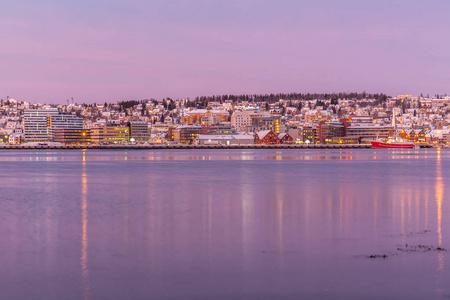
(84, 233)
(208, 155)
(257, 226)
(439, 196)
(279, 218)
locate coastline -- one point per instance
(160, 147)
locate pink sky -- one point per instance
(98, 51)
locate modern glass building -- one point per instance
(39, 124)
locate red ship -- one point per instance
(392, 145)
(393, 142)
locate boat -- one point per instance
(393, 142)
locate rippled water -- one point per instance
(224, 224)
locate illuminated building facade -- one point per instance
(326, 131)
(37, 124)
(187, 133)
(109, 134)
(369, 132)
(309, 134)
(139, 131)
(68, 136)
(205, 116)
(273, 123)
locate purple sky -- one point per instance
(113, 50)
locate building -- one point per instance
(309, 134)
(317, 115)
(138, 131)
(4, 138)
(109, 134)
(368, 132)
(187, 133)
(15, 138)
(241, 120)
(326, 131)
(267, 137)
(285, 138)
(205, 116)
(414, 135)
(273, 123)
(65, 121)
(72, 136)
(224, 139)
(221, 129)
(37, 124)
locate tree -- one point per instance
(144, 108)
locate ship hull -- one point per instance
(376, 144)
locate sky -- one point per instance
(109, 50)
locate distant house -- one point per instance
(415, 135)
(285, 138)
(266, 137)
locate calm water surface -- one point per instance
(224, 224)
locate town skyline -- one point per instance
(341, 118)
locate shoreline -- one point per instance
(173, 147)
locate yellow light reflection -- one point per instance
(84, 236)
(439, 196)
(280, 215)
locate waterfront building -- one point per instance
(69, 136)
(224, 139)
(15, 139)
(369, 132)
(4, 138)
(267, 137)
(138, 131)
(187, 133)
(326, 131)
(294, 131)
(309, 134)
(109, 134)
(37, 124)
(285, 138)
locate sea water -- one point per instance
(225, 224)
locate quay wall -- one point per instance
(158, 147)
